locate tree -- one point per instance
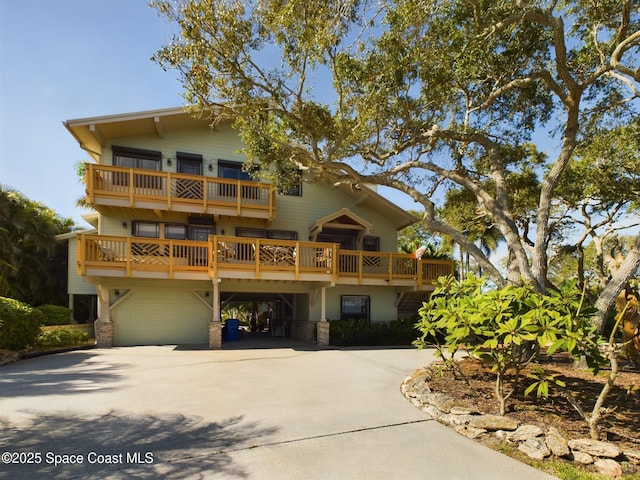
(33, 266)
(415, 236)
(421, 96)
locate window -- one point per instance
(282, 234)
(354, 307)
(175, 231)
(232, 170)
(189, 163)
(294, 190)
(251, 232)
(293, 186)
(136, 158)
(192, 188)
(139, 159)
(200, 233)
(371, 244)
(145, 229)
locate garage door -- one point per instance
(161, 317)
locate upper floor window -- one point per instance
(145, 229)
(282, 234)
(371, 244)
(232, 170)
(294, 190)
(251, 232)
(175, 231)
(136, 158)
(292, 183)
(189, 163)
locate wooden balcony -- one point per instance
(252, 258)
(109, 186)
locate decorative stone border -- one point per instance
(532, 440)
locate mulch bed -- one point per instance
(620, 421)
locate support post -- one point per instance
(103, 326)
(322, 328)
(215, 326)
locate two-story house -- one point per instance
(182, 229)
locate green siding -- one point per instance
(76, 284)
(161, 316)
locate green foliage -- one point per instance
(542, 380)
(416, 235)
(424, 97)
(33, 265)
(20, 324)
(62, 337)
(506, 327)
(56, 315)
(361, 332)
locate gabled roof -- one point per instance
(93, 133)
(343, 218)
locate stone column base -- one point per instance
(323, 333)
(104, 333)
(215, 335)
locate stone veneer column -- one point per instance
(323, 333)
(215, 335)
(104, 333)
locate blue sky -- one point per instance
(68, 59)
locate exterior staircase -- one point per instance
(410, 302)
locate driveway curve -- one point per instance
(264, 413)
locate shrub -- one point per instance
(505, 327)
(20, 324)
(62, 337)
(56, 315)
(362, 333)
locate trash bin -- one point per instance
(232, 329)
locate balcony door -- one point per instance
(346, 239)
(141, 160)
(189, 164)
(234, 171)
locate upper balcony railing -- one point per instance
(149, 189)
(252, 258)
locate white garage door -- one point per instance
(161, 317)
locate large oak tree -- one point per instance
(421, 96)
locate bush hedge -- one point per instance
(362, 333)
(63, 337)
(19, 324)
(56, 315)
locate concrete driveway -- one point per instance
(277, 413)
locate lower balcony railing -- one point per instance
(239, 257)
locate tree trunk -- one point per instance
(620, 279)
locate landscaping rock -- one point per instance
(608, 467)
(558, 445)
(469, 432)
(595, 447)
(432, 411)
(534, 448)
(581, 457)
(502, 435)
(493, 422)
(633, 456)
(8, 356)
(458, 410)
(524, 432)
(454, 420)
(441, 401)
